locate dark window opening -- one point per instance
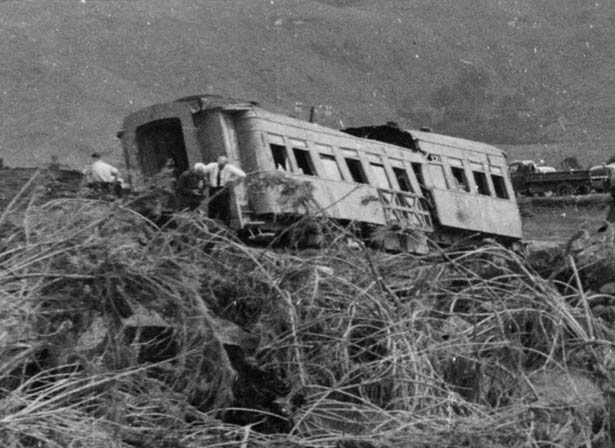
(304, 162)
(356, 171)
(418, 173)
(481, 183)
(280, 159)
(459, 176)
(500, 186)
(402, 179)
(161, 144)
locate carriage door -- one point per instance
(161, 143)
(217, 136)
(239, 206)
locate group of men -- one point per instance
(212, 181)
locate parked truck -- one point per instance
(602, 177)
(530, 179)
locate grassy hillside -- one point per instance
(510, 73)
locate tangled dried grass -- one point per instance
(117, 333)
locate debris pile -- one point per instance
(116, 332)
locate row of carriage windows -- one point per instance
(354, 165)
(460, 181)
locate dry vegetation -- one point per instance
(116, 332)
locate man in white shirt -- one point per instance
(103, 177)
(222, 175)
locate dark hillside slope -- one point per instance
(506, 72)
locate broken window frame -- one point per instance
(481, 182)
(277, 143)
(459, 176)
(305, 164)
(403, 180)
(355, 166)
(281, 162)
(499, 182)
(356, 170)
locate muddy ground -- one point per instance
(557, 219)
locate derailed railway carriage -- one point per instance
(379, 177)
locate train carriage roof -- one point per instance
(207, 102)
(457, 142)
(389, 133)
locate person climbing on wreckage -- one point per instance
(191, 187)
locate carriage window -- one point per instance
(304, 162)
(380, 174)
(498, 182)
(402, 179)
(459, 174)
(480, 178)
(332, 169)
(356, 171)
(500, 186)
(459, 177)
(280, 159)
(481, 183)
(437, 175)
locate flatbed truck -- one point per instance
(527, 179)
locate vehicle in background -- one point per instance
(602, 177)
(529, 178)
(534, 167)
(407, 184)
(545, 169)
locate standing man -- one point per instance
(222, 176)
(103, 177)
(191, 187)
